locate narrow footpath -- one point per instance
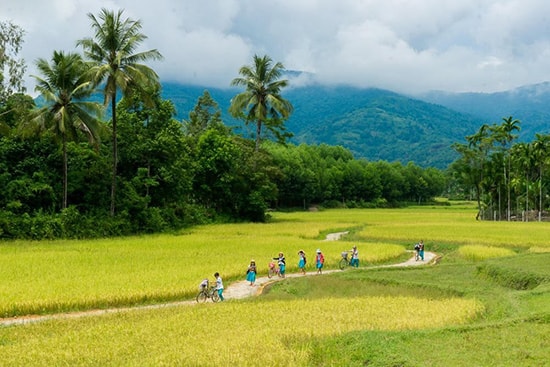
(242, 289)
(236, 290)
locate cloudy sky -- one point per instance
(403, 45)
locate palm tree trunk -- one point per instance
(540, 194)
(65, 170)
(526, 198)
(478, 198)
(258, 133)
(508, 208)
(115, 154)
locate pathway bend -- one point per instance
(236, 290)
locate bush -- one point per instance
(151, 220)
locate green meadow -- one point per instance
(485, 303)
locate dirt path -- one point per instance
(236, 290)
(242, 289)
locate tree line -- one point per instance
(173, 174)
(508, 179)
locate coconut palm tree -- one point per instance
(261, 102)
(64, 86)
(117, 65)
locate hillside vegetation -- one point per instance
(528, 103)
(372, 123)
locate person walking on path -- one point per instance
(354, 257)
(421, 249)
(219, 285)
(302, 262)
(251, 272)
(282, 264)
(319, 261)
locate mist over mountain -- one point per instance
(530, 104)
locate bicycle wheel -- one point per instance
(215, 296)
(202, 297)
(270, 273)
(342, 264)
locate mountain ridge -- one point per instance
(529, 103)
(372, 123)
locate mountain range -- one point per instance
(378, 124)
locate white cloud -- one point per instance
(455, 45)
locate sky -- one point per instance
(407, 46)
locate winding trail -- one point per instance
(236, 290)
(242, 289)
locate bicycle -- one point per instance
(344, 262)
(274, 269)
(208, 292)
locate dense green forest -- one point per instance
(172, 174)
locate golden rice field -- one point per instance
(44, 277)
(449, 225)
(49, 277)
(478, 253)
(227, 334)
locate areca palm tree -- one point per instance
(524, 159)
(541, 152)
(479, 145)
(261, 102)
(505, 136)
(64, 85)
(117, 65)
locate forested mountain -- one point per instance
(379, 125)
(530, 104)
(372, 123)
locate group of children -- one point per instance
(252, 270)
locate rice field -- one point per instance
(288, 326)
(451, 226)
(45, 277)
(231, 333)
(478, 253)
(58, 276)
